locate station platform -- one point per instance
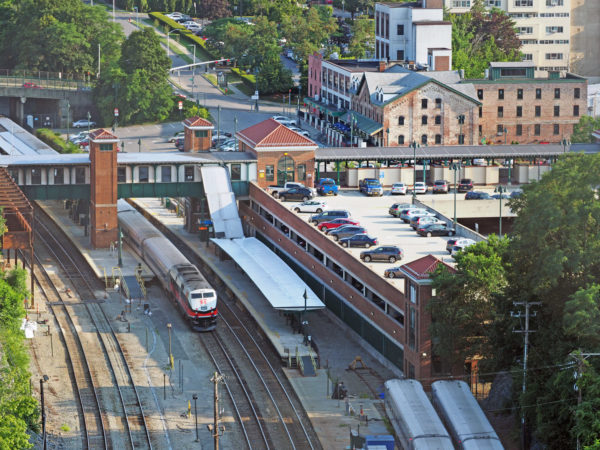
(273, 322)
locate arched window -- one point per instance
(424, 139)
(285, 170)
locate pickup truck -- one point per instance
(370, 186)
(326, 186)
(276, 190)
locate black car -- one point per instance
(345, 231)
(389, 253)
(359, 240)
(477, 195)
(465, 185)
(179, 142)
(297, 193)
(435, 229)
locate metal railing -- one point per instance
(44, 80)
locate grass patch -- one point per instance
(55, 140)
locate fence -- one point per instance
(44, 80)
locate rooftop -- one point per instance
(504, 64)
(102, 134)
(270, 134)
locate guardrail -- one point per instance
(30, 81)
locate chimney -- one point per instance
(382, 65)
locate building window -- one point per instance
(424, 139)
(121, 174)
(527, 56)
(106, 147)
(36, 176)
(576, 110)
(519, 94)
(523, 2)
(519, 130)
(399, 55)
(438, 103)
(480, 111)
(401, 120)
(500, 94)
(236, 172)
(554, 2)
(188, 173)
(519, 111)
(556, 111)
(59, 175)
(480, 129)
(438, 139)
(438, 120)
(577, 93)
(524, 30)
(461, 119)
(301, 172)
(270, 173)
(538, 111)
(165, 174)
(461, 139)
(537, 129)
(423, 120)
(201, 133)
(557, 93)
(401, 139)
(556, 129)
(412, 328)
(538, 94)
(424, 103)
(554, 56)
(554, 29)
(461, 4)
(400, 30)
(143, 174)
(500, 130)
(500, 111)
(480, 94)
(79, 175)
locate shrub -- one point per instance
(248, 79)
(54, 140)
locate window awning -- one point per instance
(327, 109)
(368, 126)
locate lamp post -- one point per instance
(170, 354)
(135, 8)
(168, 42)
(140, 145)
(500, 190)
(564, 143)
(456, 167)
(256, 89)
(195, 397)
(89, 118)
(387, 142)
(68, 118)
(414, 146)
(120, 247)
(235, 122)
(42, 381)
(505, 135)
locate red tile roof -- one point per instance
(422, 267)
(101, 133)
(270, 133)
(197, 122)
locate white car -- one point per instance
(398, 189)
(310, 206)
(78, 137)
(84, 123)
(283, 120)
(461, 244)
(300, 131)
(420, 188)
(428, 220)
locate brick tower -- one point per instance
(103, 188)
(197, 135)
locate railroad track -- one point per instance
(76, 269)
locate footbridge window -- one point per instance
(36, 176)
(59, 175)
(165, 174)
(144, 174)
(79, 175)
(121, 174)
(188, 173)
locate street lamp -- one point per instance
(387, 143)
(89, 118)
(135, 8)
(42, 381)
(456, 167)
(256, 89)
(505, 134)
(68, 118)
(500, 190)
(414, 146)
(235, 122)
(195, 397)
(564, 143)
(170, 354)
(139, 145)
(168, 42)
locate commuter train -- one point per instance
(182, 281)
(416, 423)
(463, 416)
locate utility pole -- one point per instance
(214, 427)
(525, 332)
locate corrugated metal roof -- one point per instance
(102, 134)
(193, 122)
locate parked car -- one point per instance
(329, 215)
(275, 190)
(435, 229)
(516, 193)
(284, 120)
(345, 231)
(176, 136)
(31, 85)
(392, 272)
(397, 208)
(296, 193)
(418, 221)
(300, 131)
(84, 123)
(477, 195)
(312, 206)
(336, 223)
(370, 186)
(358, 240)
(398, 189)
(441, 187)
(461, 245)
(74, 138)
(409, 213)
(326, 186)
(503, 195)
(420, 188)
(465, 185)
(179, 144)
(389, 253)
(451, 243)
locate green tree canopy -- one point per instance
(582, 131)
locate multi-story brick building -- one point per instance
(516, 107)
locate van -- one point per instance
(327, 216)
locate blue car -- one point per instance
(326, 186)
(358, 240)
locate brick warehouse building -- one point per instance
(281, 154)
(516, 107)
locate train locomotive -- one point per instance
(181, 280)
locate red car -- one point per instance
(337, 223)
(31, 85)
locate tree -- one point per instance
(363, 37)
(582, 131)
(214, 9)
(142, 50)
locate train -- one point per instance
(416, 423)
(466, 421)
(181, 280)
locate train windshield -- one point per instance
(203, 300)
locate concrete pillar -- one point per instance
(21, 110)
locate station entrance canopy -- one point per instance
(280, 285)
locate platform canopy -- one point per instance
(280, 285)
